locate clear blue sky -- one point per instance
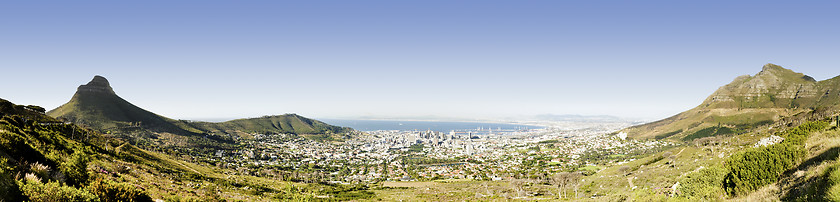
(226, 59)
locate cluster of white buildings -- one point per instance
(380, 155)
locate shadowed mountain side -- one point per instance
(96, 105)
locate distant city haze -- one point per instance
(218, 60)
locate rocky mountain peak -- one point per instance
(98, 85)
(771, 67)
(776, 72)
(773, 87)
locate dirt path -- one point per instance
(185, 166)
(678, 153)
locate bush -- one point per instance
(756, 167)
(709, 132)
(9, 190)
(15, 145)
(75, 169)
(705, 184)
(109, 191)
(53, 191)
(40, 170)
(761, 166)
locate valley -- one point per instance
(736, 145)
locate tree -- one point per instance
(624, 170)
(564, 180)
(519, 185)
(75, 168)
(36, 108)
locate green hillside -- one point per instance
(768, 99)
(97, 105)
(42, 159)
(287, 123)
(720, 159)
(800, 167)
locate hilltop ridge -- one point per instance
(98, 85)
(773, 94)
(96, 104)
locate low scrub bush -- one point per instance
(53, 191)
(109, 191)
(75, 169)
(705, 184)
(756, 167)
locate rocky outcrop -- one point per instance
(98, 85)
(774, 86)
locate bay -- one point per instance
(440, 126)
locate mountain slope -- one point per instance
(771, 95)
(97, 105)
(42, 159)
(287, 123)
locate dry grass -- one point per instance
(765, 194)
(463, 191)
(409, 184)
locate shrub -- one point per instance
(709, 132)
(109, 191)
(40, 170)
(15, 145)
(756, 167)
(53, 191)
(31, 177)
(705, 184)
(75, 169)
(9, 190)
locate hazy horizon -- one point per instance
(465, 59)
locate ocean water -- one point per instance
(441, 126)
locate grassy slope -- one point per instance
(799, 183)
(110, 112)
(26, 140)
(803, 182)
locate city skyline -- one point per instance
(471, 59)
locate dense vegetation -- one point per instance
(756, 167)
(709, 132)
(753, 168)
(45, 160)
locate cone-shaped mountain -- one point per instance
(97, 105)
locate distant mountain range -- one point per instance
(499, 119)
(579, 118)
(773, 96)
(96, 105)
